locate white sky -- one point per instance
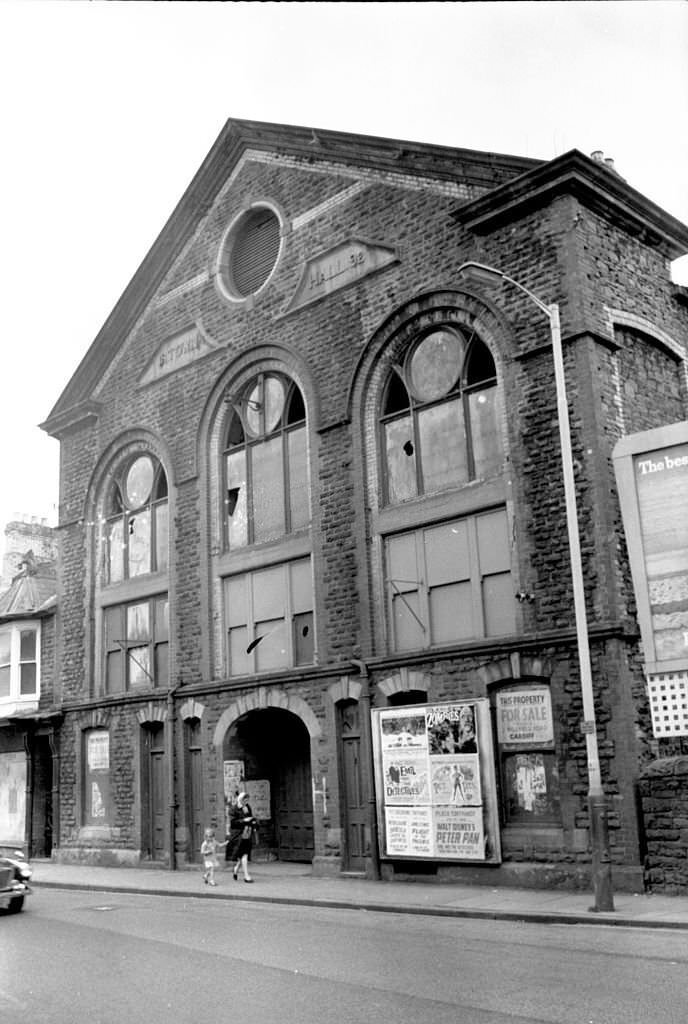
(108, 110)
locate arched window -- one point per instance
(265, 457)
(439, 417)
(137, 520)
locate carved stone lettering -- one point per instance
(177, 352)
(338, 267)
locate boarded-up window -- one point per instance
(450, 582)
(269, 616)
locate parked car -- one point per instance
(15, 875)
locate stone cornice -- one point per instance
(594, 185)
(75, 418)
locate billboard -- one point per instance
(652, 477)
(435, 782)
(653, 490)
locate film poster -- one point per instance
(459, 832)
(432, 790)
(409, 831)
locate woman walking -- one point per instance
(242, 827)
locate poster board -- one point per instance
(12, 798)
(436, 789)
(233, 783)
(233, 772)
(258, 792)
(652, 477)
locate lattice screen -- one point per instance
(669, 703)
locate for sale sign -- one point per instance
(524, 717)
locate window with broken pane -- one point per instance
(269, 615)
(450, 582)
(137, 520)
(136, 644)
(265, 459)
(439, 416)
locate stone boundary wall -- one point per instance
(663, 786)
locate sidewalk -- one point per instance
(285, 883)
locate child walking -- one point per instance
(209, 848)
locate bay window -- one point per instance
(19, 663)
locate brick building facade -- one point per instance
(309, 467)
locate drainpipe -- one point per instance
(169, 721)
(55, 798)
(373, 868)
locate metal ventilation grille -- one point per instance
(254, 251)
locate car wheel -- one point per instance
(15, 905)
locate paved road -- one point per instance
(124, 959)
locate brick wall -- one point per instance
(339, 349)
(663, 786)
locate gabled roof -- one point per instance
(510, 186)
(33, 591)
(443, 163)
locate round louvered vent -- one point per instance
(250, 252)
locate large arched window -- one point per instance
(439, 416)
(265, 462)
(137, 519)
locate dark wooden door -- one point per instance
(42, 800)
(354, 794)
(194, 788)
(155, 792)
(295, 809)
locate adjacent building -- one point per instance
(312, 520)
(29, 720)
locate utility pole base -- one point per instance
(601, 856)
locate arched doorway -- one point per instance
(273, 746)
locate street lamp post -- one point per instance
(597, 804)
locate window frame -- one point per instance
(241, 407)
(89, 775)
(250, 621)
(459, 393)
(127, 515)
(544, 748)
(15, 697)
(421, 586)
(158, 637)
